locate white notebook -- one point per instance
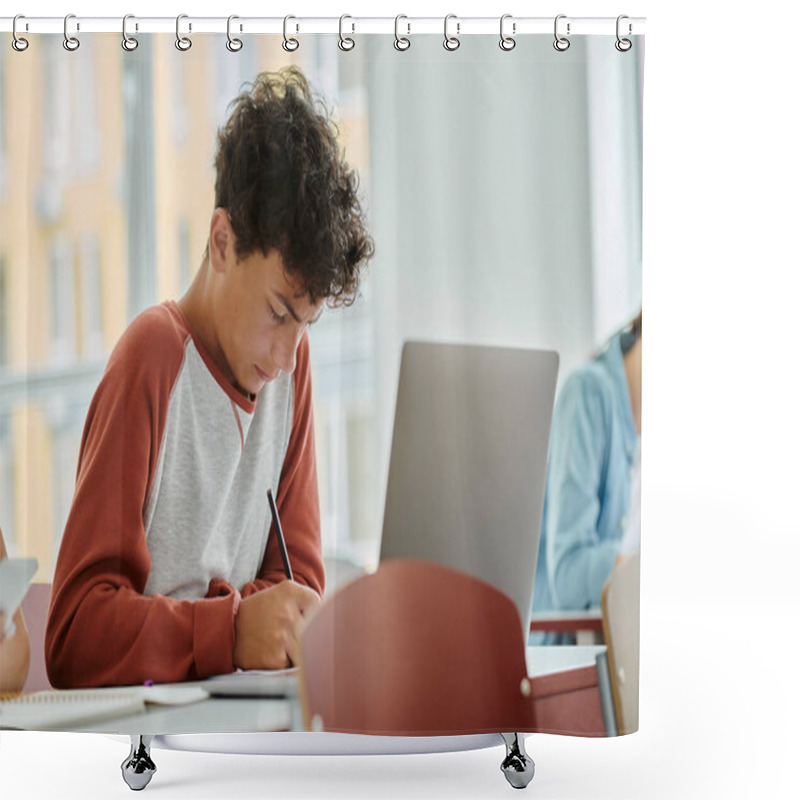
(61, 710)
(55, 710)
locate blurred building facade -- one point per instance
(106, 191)
(504, 193)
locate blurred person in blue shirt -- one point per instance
(592, 511)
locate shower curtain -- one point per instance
(501, 190)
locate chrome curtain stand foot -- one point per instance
(138, 768)
(517, 766)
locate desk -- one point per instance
(578, 622)
(215, 715)
(566, 682)
(211, 715)
(571, 688)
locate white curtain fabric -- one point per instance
(505, 196)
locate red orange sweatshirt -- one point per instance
(169, 527)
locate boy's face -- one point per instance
(261, 314)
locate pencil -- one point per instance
(279, 532)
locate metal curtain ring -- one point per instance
(507, 42)
(400, 42)
(183, 43)
(623, 45)
(451, 42)
(345, 42)
(289, 44)
(233, 45)
(18, 43)
(561, 43)
(70, 42)
(128, 42)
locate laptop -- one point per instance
(468, 462)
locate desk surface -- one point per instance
(269, 714)
(549, 659)
(215, 715)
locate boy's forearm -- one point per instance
(116, 636)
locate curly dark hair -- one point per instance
(283, 180)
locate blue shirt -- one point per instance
(588, 490)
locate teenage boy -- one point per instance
(167, 570)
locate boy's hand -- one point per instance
(268, 626)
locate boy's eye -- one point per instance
(276, 316)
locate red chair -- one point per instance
(418, 649)
(34, 608)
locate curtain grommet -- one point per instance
(401, 43)
(346, 43)
(129, 43)
(507, 43)
(623, 45)
(451, 43)
(183, 43)
(71, 43)
(233, 44)
(561, 43)
(290, 44)
(19, 43)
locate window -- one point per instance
(5, 310)
(62, 304)
(86, 134)
(362, 481)
(3, 117)
(6, 478)
(184, 257)
(343, 346)
(56, 112)
(230, 75)
(92, 344)
(179, 111)
(65, 450)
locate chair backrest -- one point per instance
(620, 604)
(415, 649)
(34, 608)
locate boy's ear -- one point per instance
(221, 241)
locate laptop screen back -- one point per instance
(468, 462)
